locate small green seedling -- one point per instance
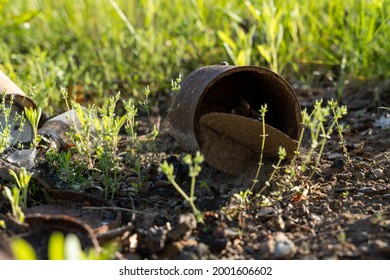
(315, 123)
(22, 182)
(175, 89)
(306, 118)
(338, 113)
(282, 155)
(244, 197)
(34, 115)
(13, 196)
(319, 133)
(263, 110)
(175, 85)
(195, 168)
(131, 124)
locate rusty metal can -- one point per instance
(56, 130)
(220, 94)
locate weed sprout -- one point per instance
(263, 110)
(195, 168)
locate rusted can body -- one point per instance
(16, 100)
(57, 129)
(235, 92)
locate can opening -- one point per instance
(243, 90)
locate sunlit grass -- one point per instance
(96, 48)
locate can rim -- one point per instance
(232, 69)
(21, 99)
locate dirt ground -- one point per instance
(342, 212)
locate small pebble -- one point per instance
(266, 212)
(386, 196)
(362, 236)
(335, 156)
(284, 247)
(187, 222)
(315, 217)
(382, 156)
(358, 195)
(367, 189)
(377, 206)
(359, 176)
(230, 233)
(337, 166)
(277, 223)
(383, 247)
(133, 180)
(377, 173)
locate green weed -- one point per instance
(320, 123)
(96, 134)
(263, 111)
(34, 115)
(9, 120)
(195, 168)
(244, 198)
(13, 196)
(338, 113)
(319, 133)
(131, 123)
(22, 182)
(68, 168)
(282, 156)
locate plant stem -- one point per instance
(262, 111)
(282, 155)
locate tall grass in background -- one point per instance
(295, 34)
(97, 47)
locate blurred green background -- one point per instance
(94, 48)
